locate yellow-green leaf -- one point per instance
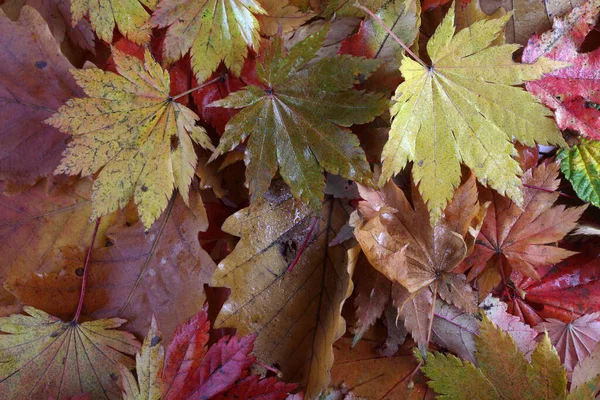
(129, 16)
(149, 364)
(465, 108)
(211, 30)
(297, 121)
(581, 166)
(503, 371)
(40, 351)
(131, 129)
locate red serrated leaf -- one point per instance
(251, 388)
(184, 355)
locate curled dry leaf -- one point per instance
(138, 274)
(34, 224)
(297, 119)
(39, 351)
(34, 82)
(571, 92)
(520, 238)
(212, 31)
(131, 130)
(296, 313)
(465, 108)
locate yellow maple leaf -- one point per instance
(464, 107)
(129, 16)
(212, 30)
(131, 130)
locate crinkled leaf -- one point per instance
(581, 166)
(296, 122)
(465, 108)
(297, 313)
(574, 92)
(39, 350)
(503, 371)
(454, 330)
(132, 131)
(33, 82)
(129, 16)
(520, 238)
(211, 30)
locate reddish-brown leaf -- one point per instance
(160, 272)
(34, 82)
(514, 238)
(251, 388)
(574, 92)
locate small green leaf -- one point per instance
(581, 166)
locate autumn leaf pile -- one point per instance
(288, 199)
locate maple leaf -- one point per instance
(574, 340)
(465, 108)
(517, 237)
(295, 313)
(135, 275)
(571, 92)
(211, 30)
(279, 13)
(39, 221)
(129, 16)
(503, 370)
(33, 82)
(581, 166)
(297, 120)
(134, 132)
(431, 4)
(39, 349)
(191, 371)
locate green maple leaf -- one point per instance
(581, 166)
(464, 108)
(212, 30)
(297, 119)
(503, 371)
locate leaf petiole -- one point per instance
(85, 267)
(218, 78)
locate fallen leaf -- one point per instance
(57, 14)
(574, 340)
(39, 349)
(296, 121)
(464, 108)
(454, 330)
(34, 81)
(35, 223)
(129, 16)
(581, 166)
(212, 31)
(503, 370)
(431, 4)
(280, 15)
(136, 275)
(295, 313)
(587, 370)
(566, 290)
(571, 92)
(131, 130)
(520, 238)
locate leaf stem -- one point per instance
(85, 268)
(304, 244)
(218, 78)
(392, 34)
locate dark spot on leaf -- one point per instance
(144, 188)
(41, 64)
(113, 376)
(109, 243)
(79, 272)
(54, 334)
(174, 142)
(181, 20)
(361, 78)
(155, 340)
(420, 163)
